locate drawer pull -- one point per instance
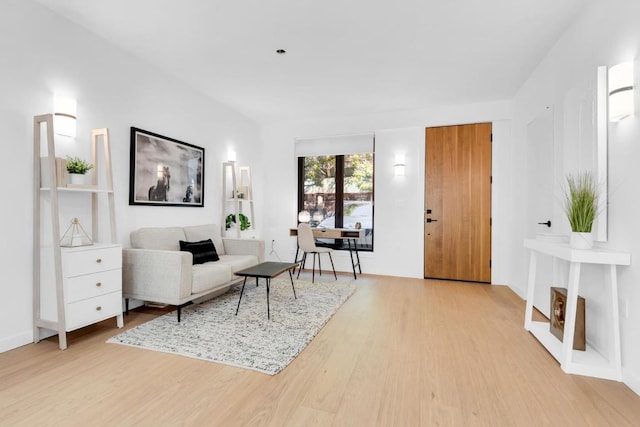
(98, 308)
(98, 284)
(99, 260)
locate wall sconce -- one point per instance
(64, 110)
(231, 155)
(304, 216)
(621, 91)
(399, 166)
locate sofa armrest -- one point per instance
(244, 247)
(157, 275)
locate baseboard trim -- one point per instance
(16, 341)
(520, 292)
(633, 383)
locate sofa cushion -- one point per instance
(238, 262)
(202, 251)
(209, 275)
(162, 238)
(196, 233)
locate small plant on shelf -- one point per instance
(78, 166)
(581, 201)
(244, 221)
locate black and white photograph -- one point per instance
(165, 171)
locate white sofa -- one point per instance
(154, 268)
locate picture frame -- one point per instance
(164, 171)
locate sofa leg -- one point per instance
(179, 308)
(126, 306)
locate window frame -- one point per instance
(338, 244)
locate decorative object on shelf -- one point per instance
(165, 171)
(581, 207)
(75, 235)
(231, 219)
(556, 324)
(77, 169)
(60, 172)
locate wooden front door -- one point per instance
(457, 228)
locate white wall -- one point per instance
(399, 201)
(606, 33)
(42, 53)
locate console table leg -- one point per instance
(570, 316)
(531, 288)
(616, 355)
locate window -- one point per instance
(337, 192)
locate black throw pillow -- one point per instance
(203, 251)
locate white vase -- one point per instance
(581, 240)
(76, 178)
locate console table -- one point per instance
(589, 362)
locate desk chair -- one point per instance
(307, 243)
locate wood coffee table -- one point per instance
(266, 270)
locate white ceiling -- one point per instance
(343, 57)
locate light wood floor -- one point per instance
(399, 352)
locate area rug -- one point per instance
(211, 330)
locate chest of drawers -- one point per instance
(92, 286)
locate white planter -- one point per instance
(76, 178)
(581, 240)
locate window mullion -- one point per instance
(339, 220)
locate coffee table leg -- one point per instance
(268, 285)
(294, 288)
(241, 292)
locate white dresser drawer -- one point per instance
(86, 312)
(91, 260)
(92, 285)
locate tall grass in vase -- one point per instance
(581, 207)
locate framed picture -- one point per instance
(165, 171)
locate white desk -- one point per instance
(350, 235)
(589, 362)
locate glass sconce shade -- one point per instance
(64, 109)
(621, 97)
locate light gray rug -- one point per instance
(212, 331)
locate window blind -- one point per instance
(335, 145)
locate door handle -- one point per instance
(431, 220)
(548, 223)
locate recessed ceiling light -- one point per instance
(281, 51)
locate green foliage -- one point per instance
(360, 167)
(244, 221)
(317, 169)
(358, 172)
(581, 201)
(77, 165)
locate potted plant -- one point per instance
(231, 218)
(581, 207)
(77, 168)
